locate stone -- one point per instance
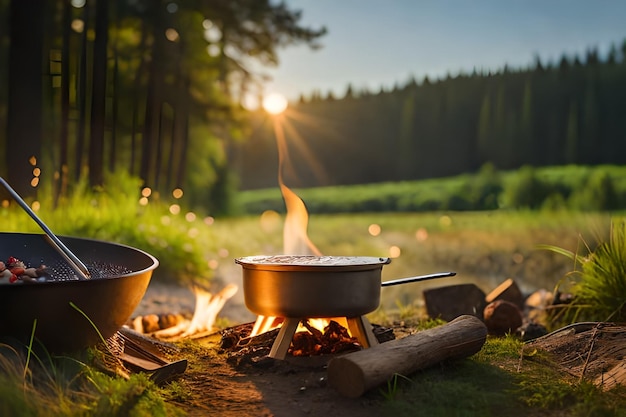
(536, 306)
(532, 330)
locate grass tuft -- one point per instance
(598, 281)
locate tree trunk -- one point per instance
(115, 96)
(25, 108)
(135, 100)
(182, 121)
(61, 188)
(154, 97)
(82, 96)
(98, 104)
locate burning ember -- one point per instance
(334, 339)
(313, 336)
(311, 342)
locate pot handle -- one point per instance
(417, 278)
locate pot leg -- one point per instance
(361, 328)
(283, 339)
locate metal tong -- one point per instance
(52, 239)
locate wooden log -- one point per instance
(451, 301)
(355, 373)
(507, 291)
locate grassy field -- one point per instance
(484, 248)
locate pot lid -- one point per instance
(305, 261)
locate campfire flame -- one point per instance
(208, 306)
(295, 238)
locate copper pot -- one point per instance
(316, 286)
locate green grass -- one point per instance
(499, 381)
(72, 386)
(598, 279)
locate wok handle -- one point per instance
(417, 278)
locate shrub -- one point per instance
(526, 190)
(598, 193)
(483, 189)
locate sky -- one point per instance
(378, 43)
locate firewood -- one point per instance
(355, 373)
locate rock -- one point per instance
(536, 305)
(507, 291)
(502, 317)
(452, 301)
(532, 330)
(540, 299)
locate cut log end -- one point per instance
(347, 377)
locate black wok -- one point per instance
(120, 277)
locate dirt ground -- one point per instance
(266, 388)
(221, 383)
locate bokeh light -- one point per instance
(171, 34)
(394, 251)
(270, 221)
(374, 229)
(213, 50)
(78, 25)
(177, 193)
(421, 234)
(175, 209)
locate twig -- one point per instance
(592, 342)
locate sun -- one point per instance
(275, 103)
